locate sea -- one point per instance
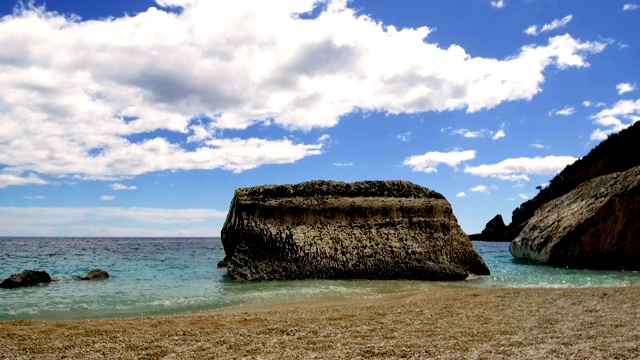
(162, 276)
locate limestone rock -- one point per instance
(96, 274)
(615, 154)
(25, 278)
(337, 230)
(597, 226)
(495, 230)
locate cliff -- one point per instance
(615, 154)
(336, 230)
(593, 226)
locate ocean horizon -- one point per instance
(163, 276)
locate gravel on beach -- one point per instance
(439, 323)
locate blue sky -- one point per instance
(141, 118)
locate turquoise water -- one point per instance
(152, 276)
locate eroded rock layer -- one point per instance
(336, 230)
(596, 225)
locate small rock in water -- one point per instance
(96, 274)
(25, 278)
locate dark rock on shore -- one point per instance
(495, 230)
(25, 278)
(596, 225)
(337, 230)
(95, 274)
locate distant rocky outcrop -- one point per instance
(95, 274)
(495, 230)
(25, 278)
(337, 230)
(617, 153)
(596, 225)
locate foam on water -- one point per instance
(153, 276)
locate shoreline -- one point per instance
(442, 322)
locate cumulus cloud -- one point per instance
(429, 162)
(625, 88)
(8, 179)
(555, 24)
(568, 110)
(612, 120)
(480, 189)
(499, 135)
(92, 99)
(118, 186)
(498, 4)
(461, 194)
(107, 197)
(518, 169)
(630, 7)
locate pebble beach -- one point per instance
(442, 323)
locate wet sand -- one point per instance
(440, 323)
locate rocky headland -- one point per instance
(615, 154)
(587, 216)
(593, 226)
(337, 230)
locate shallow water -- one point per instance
(151, 276)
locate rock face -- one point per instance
(96, 274)
(597, 225)
(25, 278)
(610, 156)
(336, 230)
(495, 230)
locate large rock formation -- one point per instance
(495, 230)
(327, 229)
(597, 225)
(25, 278)
(615, 154)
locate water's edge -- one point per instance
(163, 276)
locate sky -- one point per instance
(141, 117)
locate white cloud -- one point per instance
(87, 98)
(622, 115)
(9, 179)
(118, 186)
(538, 146)
(625, 88)
(517, 169)
(342, 164)
(429, 162)
(461, 194)
(555, 24)
(586, 103)
(499, 135)
(523, 196)
(480, 189)
(36, 197)
(324, 138)
(498, 4)
(630, 7)
(45, 221)
(404, 137)
(531, 30)
(473, 134)
(568, 110)
(107, 197)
